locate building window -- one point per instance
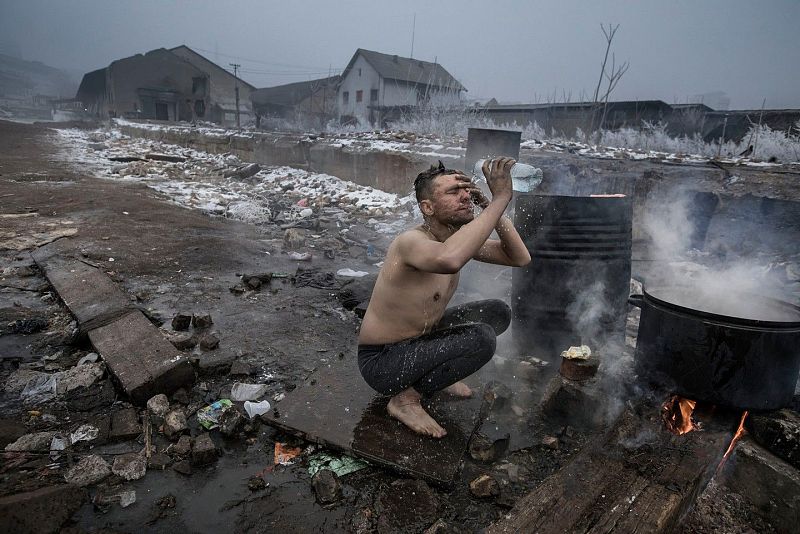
(359, 72)
(359, 96)
(373, 95)
(345, 97)
(199, 86)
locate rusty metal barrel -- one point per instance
(576, 287)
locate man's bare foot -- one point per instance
(406, 408)
(459, 389)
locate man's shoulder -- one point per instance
(409, 236)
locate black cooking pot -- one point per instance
(741, 351)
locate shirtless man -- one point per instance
(409, 344)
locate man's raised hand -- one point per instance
(498, 176)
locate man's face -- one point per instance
(450, 203)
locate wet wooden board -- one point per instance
(341, 411)
(619, 485)
(140, 358)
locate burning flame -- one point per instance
(734, 440)
(677, 415)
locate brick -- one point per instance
(141, 360)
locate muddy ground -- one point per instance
(170, 259)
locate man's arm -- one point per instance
(449, 257)
(509, 250)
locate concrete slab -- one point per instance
(141, 360)
(92, 297)
(341, 411)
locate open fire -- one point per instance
(677, 415)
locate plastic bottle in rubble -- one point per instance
(524, 178)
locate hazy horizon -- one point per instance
(511, 51)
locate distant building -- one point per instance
(169, 85)
(304, 104)
(376, 88)
(221, 89)
(566, 118)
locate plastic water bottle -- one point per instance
(524, 178)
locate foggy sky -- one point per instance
(515, 51)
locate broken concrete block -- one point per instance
(159, 461)
(484, 486)
(79, 376)
(89, 470)
(36, 442)
(175, 423)
(91, 296)
(579, 403)
(183, 467)
(201, 320)
(181, 396)
(42, 510)
(158, 405)
(125, 424)
(209, 342)
(779, 432)
(181, 321)
(131, 466)
(183, 341)
(140, 359)
(98, 395)
(203, 450)
(184, 446)
(551, 442)
(239, 368)
(230, 422)
(769, 483)
(481, 448)
(326, 486)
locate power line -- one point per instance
(289, 65)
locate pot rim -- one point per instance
(732, 319)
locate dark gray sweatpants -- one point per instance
(460, 344)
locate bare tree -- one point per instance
(612, 77)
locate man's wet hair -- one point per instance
(423, 184)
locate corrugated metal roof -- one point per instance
(407, 70)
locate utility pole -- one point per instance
(236, 90)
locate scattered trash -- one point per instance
(285, 455)
(305, 213)
(58, 444)
(40, 388)
(92, 357)
(247, 392)
(208, 417)
(341, 465)
(300, 256)
(256, 408)
(351, 273)
(316, 278)
(84, 433)
(577, 353)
